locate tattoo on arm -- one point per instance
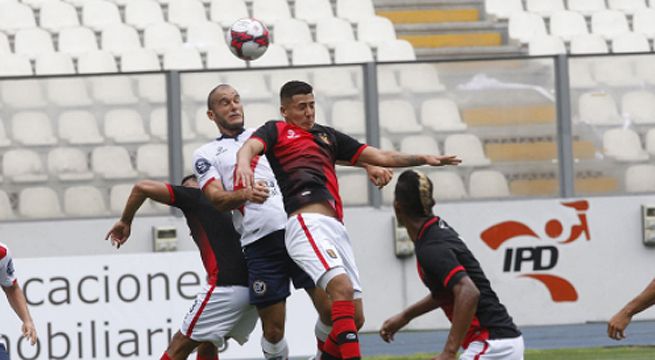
(403, 160)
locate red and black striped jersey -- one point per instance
(215, 236)
(303, 162)
(443, 260)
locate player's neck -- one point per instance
(413, 227)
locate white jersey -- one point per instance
(7, 276)
(216, 161)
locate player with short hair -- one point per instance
(221, 309)
(457, 284)
(303, 155)
(617, 324)
(15, 297)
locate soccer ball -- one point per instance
(248, 39)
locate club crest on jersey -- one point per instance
(292, 134)
(259, 287)
(202, 166)
(331, 253)
(220, 150)
(324, 137)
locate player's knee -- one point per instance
(273, 333)
(340, 288)
(359, 320)
(207, 350)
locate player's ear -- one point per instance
(210, 115)
(283, 111)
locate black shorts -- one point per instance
(3, 353)
(270, 270)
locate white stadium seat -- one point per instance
(334, 82)
(4, 140)
(544, 7)
(39, 202)
(15, 16)
(205, 128)
(32, 128)
(568, 24)
(35, 4)
(586, 7)
(353, 188)
(639, 106)
(398, 116)
(630, 43)
(118, 195)
(278, 78)
(152, 88)
(503, 9)
(140, 60)
(468, 147)
(419, 144)
(355, 10)
(609, 23)
(623, 145)
(159, 125)
(119, 39)
(22, 93)
(96, 62)
(54, 64)
(588, 44)
(488, 184)
(112, 162)
(420, 78)
(152, 160)
(251, 85)
(142, 13)
(448, 185)
(204, 35)
(598, 108)
(332, 31)
(196, 86)
(615, 71)
(627, 6)
(270, 11)
(348, 117)
(77, 40)
(226, 12)
(23, 166)
(310, 54)
(640, 178)
(182, 58)
(33, 42)
(650, 142)
(78, 127)
(220, 57)
(256, 114)
(97, 14)
(161, 36)
(352, 52)
(387, 82)
(5, 48)
(644, 69)
(395, 50)
(546, 45)
(441, 114)
(275, 56)
(84, 200)
(523, 26)
(76, 93)
(580, 72)
(291, 33)
(187, 155)
(69, 164)
(311, 11)
(125, 126)
(184, 13)
(56, 15)
(6, 211)
(113, 90)
(643, 22)
(15, 65)
(375, 30)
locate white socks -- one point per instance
(322, 332)
(278, 351)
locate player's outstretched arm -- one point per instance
(617, 324)
(398, 321)
(375, 156)
(465, 299)
(142, 190)
(244, 175)
(378, 175)
(224, 200)
(17, 301)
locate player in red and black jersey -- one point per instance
(222, 309)
(303, 155)
(480, 323)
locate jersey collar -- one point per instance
(235, 137)
(426, 225)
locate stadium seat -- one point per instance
(113, 90)
(33, 42)
(544, 7)
(630, 43)
(187, 155)
(6, 211)
(586, 7)
(220, 57)
(643, 22)
(420, 78)
(159, 125)
(125, 126)
(118, 195)
(5, 48)
(34, 4)
(24, 93)
(15, 16)
(32, 128)
(152, 88)
(335, 82)
(627, 6)
(398, 116)
(588, 44)
(76, 41)
(96, 62)
(348, 116)
(644, 69)
(291, 33)
(355, 10)
(503, 9)
(609, 23)
(332, 31)
(275, 56)
(278, 78)
(76, 93)
(419, 144)
(140, 60)
(615, 71)
(4, 140)
(161, 36)
(375, 30)
(311, 11)
(23, 166)
(448, 185)
(488, 184)
(98, 14)
(395, 50)
(226, 12)
(184, 13)
(598, 108)
(39, 203)
(387, 82)
(84, 200)
(441, 114)
(54, 64)
(523, 26)
(468, 148)
(119, 39)
(639, 107)
(568, 24)
(152, 160)
(142, 13)
(546, 45)
(640, 178)
(56, 15)
(251, 85)
(650, 142)
(352, 52)
(623, 145)
(256, 114)
(69, 164)
(78, 127)
(182, 58)
(270, 11)
(15, 65)
(353, 188)
(580, 73)
(204, 35)
(112, 162)
(196, 86)
(205, 128)
(310, 54)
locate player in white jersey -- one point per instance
(15, 297)
(259, 216)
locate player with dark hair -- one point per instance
(15, 297)
(617, 324)
(457, 284)
(221, 309)
(303, 155)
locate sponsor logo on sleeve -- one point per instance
(202, 166)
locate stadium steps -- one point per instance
(447, 28)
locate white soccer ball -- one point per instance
(248, 39)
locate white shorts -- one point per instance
(498, 349)
(218, 313)
(319, 244)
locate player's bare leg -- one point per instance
(179, 348)
(207, 351)
(343, 341)
(323, 326)
(274, 345)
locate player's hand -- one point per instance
(391, 326)
(379, 176)
(617, 324)
(258, 193)
(29, 331)
(434, 160)
(244, 176)
(119, 233)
